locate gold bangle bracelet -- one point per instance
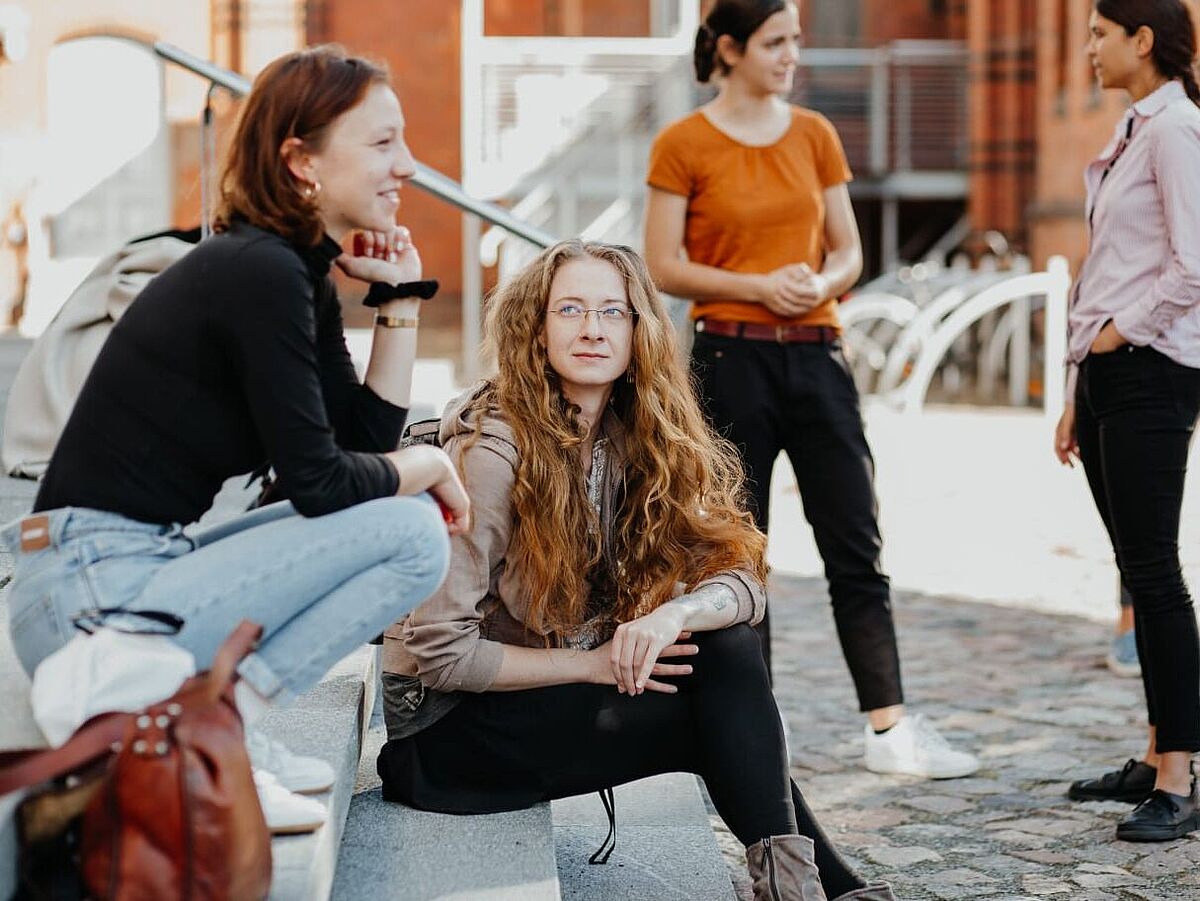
(397, 321)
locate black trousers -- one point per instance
(508, 750)
(1135, 412)
(800, 398)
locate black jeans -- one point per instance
(1135, 411)
(800, 398)
(507, 750)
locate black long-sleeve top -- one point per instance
(231, 358)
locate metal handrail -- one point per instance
(427, 179)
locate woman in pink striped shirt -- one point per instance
(1134, 383)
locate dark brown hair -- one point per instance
(297, 96)
(737, 18)
(1174, 52)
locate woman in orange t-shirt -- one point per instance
(749, 216)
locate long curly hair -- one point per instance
(682, 518)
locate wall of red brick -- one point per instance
(890, 20)
(1075, 120)
(420, 43)
(1035, 127)
(1002, 40)
(611, 18)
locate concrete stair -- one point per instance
(326, 722)
(394, 853)
(665, 847)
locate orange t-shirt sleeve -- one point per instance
(832, 167)
(669, 168)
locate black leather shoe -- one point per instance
(1131, 783)
(1162, 817)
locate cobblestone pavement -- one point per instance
(1026, 691)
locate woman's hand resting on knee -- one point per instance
(423, 467)
(637, 648)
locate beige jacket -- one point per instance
(53, 372)
(453, 642)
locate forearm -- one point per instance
(393, 352)
(695, 281)
(841, 270)
(522, 668)
(708, 608)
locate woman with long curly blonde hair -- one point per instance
(595, 626)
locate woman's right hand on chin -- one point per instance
(1066, 447)
(389, 257)
(423, 467)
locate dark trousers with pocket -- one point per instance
(505, 750)
(1135, 412)
(800, 398)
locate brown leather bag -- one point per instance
(173, 813)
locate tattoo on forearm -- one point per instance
(716, 596)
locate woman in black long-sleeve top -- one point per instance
(234, 358)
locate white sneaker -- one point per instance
(303, 775)
(914, 747)
(287, 813)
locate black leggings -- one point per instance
(1135, 411)
(767, 397)
(506, 750)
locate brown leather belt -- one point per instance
(781, 334)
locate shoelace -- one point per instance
(1159, 798)
(1117, 779)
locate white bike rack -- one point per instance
(1054, 283)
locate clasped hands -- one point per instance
(793, 289)
(635, 656)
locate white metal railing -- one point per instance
(525, 99)
(427, 178)
(559, 128)
(920, 330)
(1053, 284)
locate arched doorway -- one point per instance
(105, 173)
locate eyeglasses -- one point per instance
(611, 314)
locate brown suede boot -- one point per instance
(880, 891)
(782, 868)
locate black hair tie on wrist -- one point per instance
(382, 292)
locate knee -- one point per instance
(1156, 584)
(418, 536)
(735, 651)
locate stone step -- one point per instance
(327, 722)
(17, 727)
(665, 848)
(17, 730)
(394, 853)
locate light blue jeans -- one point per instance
(319, 587)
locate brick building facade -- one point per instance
(1035, 117)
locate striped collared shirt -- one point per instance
(1142, 270)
